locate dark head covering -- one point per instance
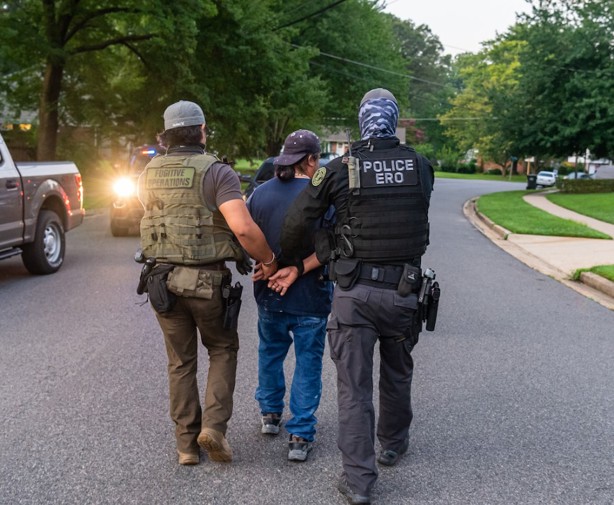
(298, 145)
(378, 114)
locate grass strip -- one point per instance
(509, 210)
(596, 205)
(606, 271)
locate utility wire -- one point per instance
(323, 9)
(347, 60)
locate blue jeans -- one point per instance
(277, 331)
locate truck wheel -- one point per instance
(117, 230)
(45, 254)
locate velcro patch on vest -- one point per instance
(170, 178)
(388, 172)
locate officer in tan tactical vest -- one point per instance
(195, 220)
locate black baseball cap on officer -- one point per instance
(183, 113)
(298, 145)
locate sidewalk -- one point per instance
(557, 257)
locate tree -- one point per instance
(253, 82)
(481, 114)
(356, 50)
(429, 87)
(60, 49)
(566, 90)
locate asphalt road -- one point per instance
(512, 392)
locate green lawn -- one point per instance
(606, 271)
(509, 210)
(597, 205)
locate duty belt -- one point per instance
(381, 276)
(218, 265)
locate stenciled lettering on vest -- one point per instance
(170, 178)
(388, 172)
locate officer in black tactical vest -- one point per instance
(195, 220)
(381, 191)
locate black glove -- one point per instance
(244, 266)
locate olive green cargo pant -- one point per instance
(180, 336)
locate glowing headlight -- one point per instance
(124, 187)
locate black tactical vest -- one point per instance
(387, 215)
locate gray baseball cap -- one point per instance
(378, 93)
(297, 145)
(183, 113)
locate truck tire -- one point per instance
(45, 254)
(118, 230)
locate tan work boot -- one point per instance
(188, 458)
(216, 445)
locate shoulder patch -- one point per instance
(318, 177)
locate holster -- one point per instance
(232, 305)
(161, 299)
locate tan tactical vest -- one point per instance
(177, 227)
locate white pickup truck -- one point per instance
(39, 202)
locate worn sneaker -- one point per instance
(389, 457)
(271, 422)
(216, 445)
(299, 448)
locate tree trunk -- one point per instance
(48, 113)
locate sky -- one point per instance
(460, 24)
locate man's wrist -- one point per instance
(269, 263)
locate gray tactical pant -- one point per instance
(360, 317)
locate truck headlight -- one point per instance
(124, 187)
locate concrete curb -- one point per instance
(589, 284)
(597, 282)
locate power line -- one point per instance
(354, 62)
(323, 9)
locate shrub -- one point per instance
(585, 185)
(467, 168)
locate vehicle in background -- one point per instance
(545, 179)
(126, 209)
(39, 202)
(265, 172)
(578, 175)
(604, 172)
(326, 157)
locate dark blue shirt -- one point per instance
(310, 295)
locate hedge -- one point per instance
(585, 185)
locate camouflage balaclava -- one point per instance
(378, 114)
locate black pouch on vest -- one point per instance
(410, 281)
(324, 242)
(232, 303)
(162, 300)
(347, 272)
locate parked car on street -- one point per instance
(545, 179)
(39, 203)
(578, 175)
